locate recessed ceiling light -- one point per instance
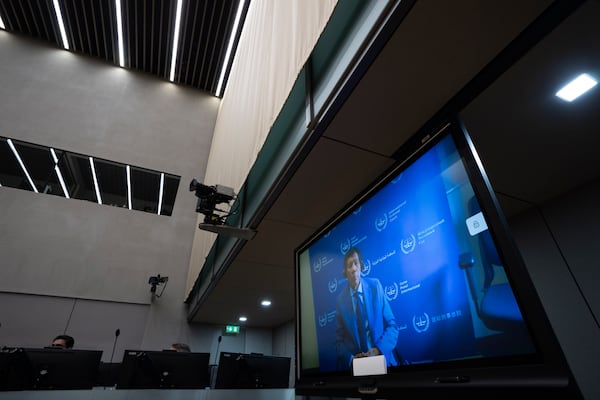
(243, 319)
(96, 187)
(160, 192)
(576, 87)
(232, 36)
(22, 164)
(265, 303)
(175, 40)
(120, 33)
(61, 24)
(58, 173)
(128, 176)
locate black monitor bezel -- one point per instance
(61, 369)
(140, 369)
(544, 370)
(262, 367)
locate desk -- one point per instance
(100, 393)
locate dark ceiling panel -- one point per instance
(30, 17)
(204, 42)
(147, 33)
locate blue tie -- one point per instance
(361, 319)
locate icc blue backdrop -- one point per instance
(408, 241)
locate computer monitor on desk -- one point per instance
(13, 365)
(63, 369)
(163, 370)
(48, 369)
(252, 371)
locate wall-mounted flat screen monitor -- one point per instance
(163, 370)
(252, 371)
(421, 268)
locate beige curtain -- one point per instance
(277, 38)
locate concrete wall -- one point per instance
(74, 266)
(284, 345)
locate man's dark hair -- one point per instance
(181, 347)
(348, 254)
(69, 341)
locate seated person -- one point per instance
(180, 348)
(63, 342)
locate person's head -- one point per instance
(63, 341)
(181, 347)
(353, 266)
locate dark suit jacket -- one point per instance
(382, 324)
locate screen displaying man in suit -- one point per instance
(365, 324)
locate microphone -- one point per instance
(117, 333)
(218, 344)
(110, 365)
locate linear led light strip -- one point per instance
(175, 40)
(128, 170)
(2, 24)
(95, 180)
(232, 36)
(160, 191)
(18, 157)
(61, 24)
(576, 87)
(120, 33)
(60, 177)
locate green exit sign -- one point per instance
(232, 329)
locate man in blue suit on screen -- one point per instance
(365, 324)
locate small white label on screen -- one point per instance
(374, 365)
(476, 224)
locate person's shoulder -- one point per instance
(344, 287)
(371, 281)
(374, 284)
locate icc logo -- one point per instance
(332, 285)
(421, 322)
(317, 265)
(366, 269)
(345, 246)
(323, 320)
(407, 245)
(391, 292)
(381, 222)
